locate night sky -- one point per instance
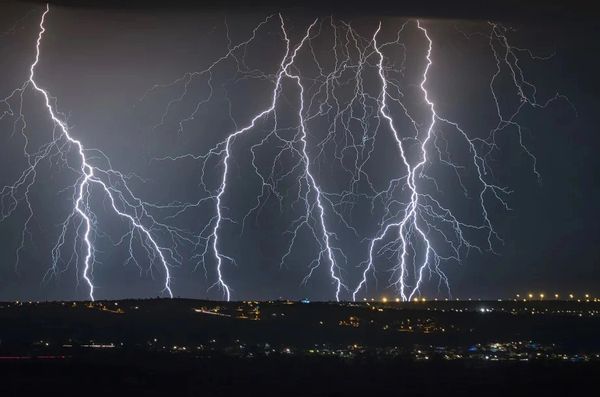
(100, 64)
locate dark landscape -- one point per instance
(181, 346)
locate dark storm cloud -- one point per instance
(98, 61)
(500, 10)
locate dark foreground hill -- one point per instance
(188, 347)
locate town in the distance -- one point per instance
(526, 328)
(156, 347)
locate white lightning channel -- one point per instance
(423, 213)
(284, 65)
(111, 182)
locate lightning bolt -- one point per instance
(410, 216)
(92, 180)
(424, 215)
(308, 185)
(327, 249)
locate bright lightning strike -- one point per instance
(308, 184)
(410, 218)
(424, 215)
(92, 180)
